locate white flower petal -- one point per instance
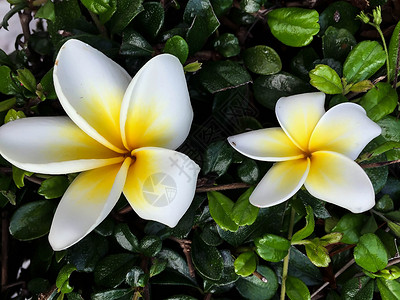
(90, 87)
(280, 183)
(161, 184)
(271, 144)
(299, 114)
(346, 129)
(52, 145)
(337, 179)
(86, 203)
(156, 109)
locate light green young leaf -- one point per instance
(27, 79)
(389, 289)
(243, 213)
(370, 253)
(177, 46)
(326, 80)
(317, 253)
(245, 264)
(64, 274)
(272, 247)
(221, 210)
(296, 289)
(308, 229)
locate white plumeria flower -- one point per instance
(120, 132)
(313, 148)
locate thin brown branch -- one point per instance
(393, 261)
(259, 276)
(223, 187)
(25, 18)
(379, 164)
(186, 246)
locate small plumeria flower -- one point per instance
(314, 149)
(121, 134)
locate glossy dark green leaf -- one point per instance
(393, 49)
(254, 288)
(210, 235)
(177, 46)
(200, 17)
(269, 88)
(53, 187)
(171, 277)
(248, 171)
(370, 253)
(340, 14)
(245, 264)
(379, 101)
(136, 277)
(175, 262)
(221, 7)
(391, 132)
(294, 26)
(337, 43)
(112, 270)
(32, 220)
(7, 84)
(227, 44)
(116, 294)
(223, 75)
(384, 204)
(262, 60)
(326, 80)
(46, 12)
(48, 86)
(296, 289)
(379, 175)
(244, 213)
(317, 205)
(389, 289)
(251, 6)
(38, 285)
(206, 259)
(150, 245)
(7, 104)
(64, 274)
(157, 266)
(302, 63)
(358, 288)
(181, 297)
(221, 210)
(363, 61)
(272, 247)
(133, 44)
(308, 229)
(126, 11)
(151, 19)
(218, 158)
(126, 238)
(350, 225)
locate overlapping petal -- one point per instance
(281, 182)
(337, 179)
(52, 145)
(86, 203)
(161, 184)
(346, 129)
(271, 144)
(156, 109)
(299, 114)
(90, 87)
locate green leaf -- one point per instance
(218, 158)
(269, 88)
(46, 12)
(308, 229)
(206, 259)
(253, 288)
(363, 61)
(379, 101)
(19, 176)
(303, 62)
(7, 84)
(350, 225)
(124, 14)
(391, 132)
(337, 43)
(54, 187)
(358, 288)
(317, 253)
(157, 266)
(151, 19)
(133, 44)
(221, 210)
(251, 6)
(117, 294)
(340, 14)
(174, 262)
(326, 80)
(262, 60)
(27, 79)
(223, 75)
(248, 171)
(331, 238)
(294, 26)
(362, 86)
(370, 253)
(32, 220)
(393, 49)
(177, 46)
(389, 289)
(221, 7)
(245, 264)
(111, 270)
(390, 273)
(227, 44)
(296, 289)
(272, 247)
(47, 85)
(200, 17)
(125, 238)
(136, 277)
(192, 67)
(244, 213)
(64, 274)
(13, 115)
(16, 8)
(301, 267)
(150, 245)
(384, 204)
(7, 104)
(97, 6)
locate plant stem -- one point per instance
(286, 259)
(386, 50)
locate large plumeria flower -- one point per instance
(121, 132)
(314, 149)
